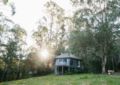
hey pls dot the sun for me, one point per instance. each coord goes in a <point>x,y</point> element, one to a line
<point>44,54</point>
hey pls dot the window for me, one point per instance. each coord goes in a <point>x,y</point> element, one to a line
<point>71,62</point>
<point>64,60</point>
<point>60,60</point>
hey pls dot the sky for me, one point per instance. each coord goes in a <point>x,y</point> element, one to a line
<point>29,12</point>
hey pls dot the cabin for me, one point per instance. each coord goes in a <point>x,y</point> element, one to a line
<point>66,63</point>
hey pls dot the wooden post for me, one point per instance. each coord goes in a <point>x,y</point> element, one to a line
<point>62,70</point>
<point>69,69</point>
<point>69,65</point>
<point>56,71</point>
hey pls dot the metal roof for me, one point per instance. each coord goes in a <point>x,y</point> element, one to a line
<point>67,55</point>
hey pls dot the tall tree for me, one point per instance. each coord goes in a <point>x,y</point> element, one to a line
<point>51,29</point>
<point>11,43</point>
<point>102,20</point>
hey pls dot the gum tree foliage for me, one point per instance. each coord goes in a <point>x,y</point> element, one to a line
<point>11,52</point>
<point>48,35</point>
<point>51,30</point>
<point>97,25</point>
<point>51,33</point>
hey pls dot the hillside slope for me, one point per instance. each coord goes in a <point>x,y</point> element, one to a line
<point>81,79</point>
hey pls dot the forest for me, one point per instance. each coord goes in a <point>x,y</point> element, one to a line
<point>92,33</point>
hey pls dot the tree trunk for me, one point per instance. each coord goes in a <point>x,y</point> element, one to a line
<point>104,61</point>
<point>4,73</point>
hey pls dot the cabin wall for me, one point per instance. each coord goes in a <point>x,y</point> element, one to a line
<point>64,62</point>
<point>67,62</point>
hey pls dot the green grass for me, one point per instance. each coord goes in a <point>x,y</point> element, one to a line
<point>81,79</point>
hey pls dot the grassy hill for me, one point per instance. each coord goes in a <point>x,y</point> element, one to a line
<point>81,79</point>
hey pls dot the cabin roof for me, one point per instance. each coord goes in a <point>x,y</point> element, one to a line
<point>67,55</point>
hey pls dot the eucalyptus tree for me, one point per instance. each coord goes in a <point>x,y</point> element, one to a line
<point>11,43</point>
<point>13,52</point>
<point>3,29</point>
<point>51,32</point>
<point>56,15</point>
<point>18,42</point>
<point>81,41</point>
<point>51,27</point>
<point>101,17</point>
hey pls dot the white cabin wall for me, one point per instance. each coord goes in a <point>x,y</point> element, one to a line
<point>62,62</point>
<point>67,62</point>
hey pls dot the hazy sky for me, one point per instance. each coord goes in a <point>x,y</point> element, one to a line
<point>29,12</point>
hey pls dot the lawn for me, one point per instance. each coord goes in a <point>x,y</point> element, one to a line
<point>81,79</point>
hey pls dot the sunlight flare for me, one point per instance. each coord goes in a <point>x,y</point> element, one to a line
<point>44,54</point>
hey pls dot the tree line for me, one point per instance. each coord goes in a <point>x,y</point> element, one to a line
<point>92,33</point>
<point>97,34</point>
